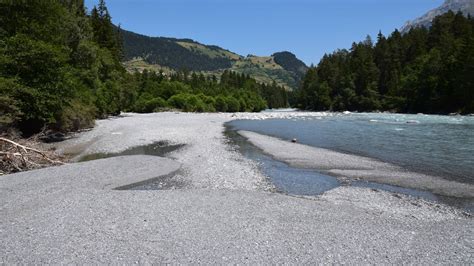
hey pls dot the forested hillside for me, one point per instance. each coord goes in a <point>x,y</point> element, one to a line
<point>171,55</point>
<point>178,54</point>
<point>60,68</point>
<point>291,63</point>
<point>424,70</point>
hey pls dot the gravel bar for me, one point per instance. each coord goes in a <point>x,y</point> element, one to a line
<point>355,167</point>
<point>75,213</point>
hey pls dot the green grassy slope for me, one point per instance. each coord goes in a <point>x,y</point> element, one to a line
<point>169,55</point>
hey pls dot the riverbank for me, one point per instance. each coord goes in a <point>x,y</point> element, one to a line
<point>355,167</point>
<point>224,213</point>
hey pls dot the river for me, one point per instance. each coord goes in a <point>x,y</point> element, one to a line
<point>430,144</point>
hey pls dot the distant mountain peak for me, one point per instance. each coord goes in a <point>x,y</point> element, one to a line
<point>465,6</point>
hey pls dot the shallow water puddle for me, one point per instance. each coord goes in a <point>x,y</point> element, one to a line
<point>160,148</point>
<point>160,183</point>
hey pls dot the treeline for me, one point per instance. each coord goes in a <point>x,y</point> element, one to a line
<point>424,70</point>
<point>60,68</point>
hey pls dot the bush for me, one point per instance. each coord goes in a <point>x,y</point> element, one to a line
<point>221,104</point>
<point>147,104</point>
<point>75,117</point>
<point>9,111</point>
<point>256,104</point>
<point>233,104</point>
<point>187,102</point>
<point>178,101</point>
<point>209,102</point>
<point>167,89</point>
<point>156,104</point>
<point>10,107</point>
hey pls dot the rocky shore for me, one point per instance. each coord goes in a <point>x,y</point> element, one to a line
<point>224,213</point>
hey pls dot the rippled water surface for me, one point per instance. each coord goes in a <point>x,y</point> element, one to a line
<point>438,145</point>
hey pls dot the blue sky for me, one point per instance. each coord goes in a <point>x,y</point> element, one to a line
<point>308,28</point>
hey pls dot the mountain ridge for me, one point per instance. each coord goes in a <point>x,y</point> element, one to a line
<point>173,54</point>
<point>465,6</point>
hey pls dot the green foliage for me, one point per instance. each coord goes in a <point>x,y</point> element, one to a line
<point>209,102</point>
<point>168,52</point>
<point>10,106</point>
<point>76,116</point>
<point>221,104</point>
<point>290,63</point>
<point>58,67</point>
<point>186,54</point>
<point>147,104</point>
<point>196,93</point>
<point>9,111</point>
<point>233,104</point>
<point>186,102</point>
<point>424,70</point>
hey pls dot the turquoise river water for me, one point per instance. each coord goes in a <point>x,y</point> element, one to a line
<point>436,145</point>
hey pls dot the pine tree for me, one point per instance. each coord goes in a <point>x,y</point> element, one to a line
<point>105,34</point>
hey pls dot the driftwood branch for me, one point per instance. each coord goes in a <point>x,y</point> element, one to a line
<point>26,149</point>
<point>16,157</point>
<point>13,143</point>
<point>10,153</point>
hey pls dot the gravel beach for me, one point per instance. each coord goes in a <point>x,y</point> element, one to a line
<point>224,212</point>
